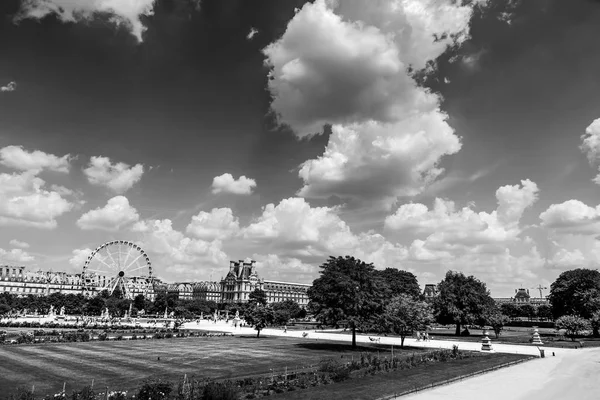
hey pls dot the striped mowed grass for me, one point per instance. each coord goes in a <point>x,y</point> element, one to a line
<point>125,365</point>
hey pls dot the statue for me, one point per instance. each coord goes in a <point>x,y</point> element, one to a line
<point>51,313</point>
<point>237,314</point>
<point>166,315</point>
<point>62,311</point>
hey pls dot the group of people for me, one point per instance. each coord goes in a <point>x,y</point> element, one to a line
<point>424,336</point>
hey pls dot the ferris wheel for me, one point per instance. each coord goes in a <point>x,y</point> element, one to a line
<point>117,265</point>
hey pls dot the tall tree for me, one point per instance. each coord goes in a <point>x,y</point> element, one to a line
<point>258,296</point>
<point>404,315</point>
<point>461,300</point>
<point>259,316</point>
<point>576,292</point>
<point>399,282</point>
<point>573,325</point>
<point>347,292</point>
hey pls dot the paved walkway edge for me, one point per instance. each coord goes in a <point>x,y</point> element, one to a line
<point>456,379</point>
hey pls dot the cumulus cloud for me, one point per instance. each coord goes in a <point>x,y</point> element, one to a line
<point>126,12</point>
<point>79,257</point>
<point>220,223</point>
<point>16,157</point>
<point>181,256</point>
<point>19,244</point>
<point>226,183</point>
<point>9,87</point>
<point>14,256</point>
<point>116,214</point>
<point>118,177</point>
<point>294,229</point>
<point>572,217</point>
<point>591,145</point>
<point>25,202</point>
<point>348,64</point>
<point>447,230</point>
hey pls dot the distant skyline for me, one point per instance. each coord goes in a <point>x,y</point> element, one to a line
<point>424,135</point>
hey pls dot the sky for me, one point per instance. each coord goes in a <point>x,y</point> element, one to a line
<point>424,135</point>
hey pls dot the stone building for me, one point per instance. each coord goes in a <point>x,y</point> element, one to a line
<point>17,280</point>
<point>242,279</point>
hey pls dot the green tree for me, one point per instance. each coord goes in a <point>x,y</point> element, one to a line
<point>544,311</point>
<point>259,317</point>
<point>346,291</point>
<point>576,292</point>
<point>289,307</point>
<point>510,309</point>
<point>496,320</point>
<point>258,296</point>
<point>573,325</point>
<point>595,322</point>
<point>398,282</point>
<point>404,315</point>
<point>527,311</point>
<point>139,302</point>
<point>461,300</point>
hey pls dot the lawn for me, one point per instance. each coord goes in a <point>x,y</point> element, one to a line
<point>386,384</point>
<point>124,365</point>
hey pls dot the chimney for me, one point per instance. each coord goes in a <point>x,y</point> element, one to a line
<point>515,290</point>
<point>231,265</point>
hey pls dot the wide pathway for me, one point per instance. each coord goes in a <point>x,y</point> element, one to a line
<point>323,335</point>
<point>570,375</point>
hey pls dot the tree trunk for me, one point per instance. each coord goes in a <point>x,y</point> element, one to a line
<point>257,332</point>
<point>457,333</point>
<point>353,335</point>
<point>402,342</point>
<point>596,332</point>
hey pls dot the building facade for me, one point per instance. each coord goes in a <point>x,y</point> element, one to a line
<point>241,280</point>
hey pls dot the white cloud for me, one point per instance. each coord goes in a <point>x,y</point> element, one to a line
<point>347,64</point>
<point>253,32</point>
<point>14,256</point>
<point>226,183</point>
<point>79,257</point>
<point>448,230</point>
<point>127,12</point>
<point>25,202</point>
<point>220,223</point>
<point>19,244</point>
<point>572,217</point>
<point>591,145</point>
<point>9,87</point>
<point>565,259</point>
<point>118,177</point>
<point>16,157</point>
<point>294,229</point>
<point>180,256</point>
<point>116,214</point>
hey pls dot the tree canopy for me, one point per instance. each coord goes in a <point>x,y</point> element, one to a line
<point>347,292</point>
<point>259,316</point>
<point>461,300</point>
<point>404,315</point>
<point>257,296</point>
<point>398,282</point>
<point>576,292</point>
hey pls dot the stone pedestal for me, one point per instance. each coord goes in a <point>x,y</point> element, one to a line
<point>486,343</point>
<point>536,337</point>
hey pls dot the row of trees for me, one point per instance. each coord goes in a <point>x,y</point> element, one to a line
<point>352,293</point>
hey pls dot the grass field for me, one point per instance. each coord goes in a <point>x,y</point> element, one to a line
<point>380,385</point>
<point>124,365</point>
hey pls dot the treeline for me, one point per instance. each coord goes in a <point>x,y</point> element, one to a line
<point>77,304</point>
<point>353,294</point>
